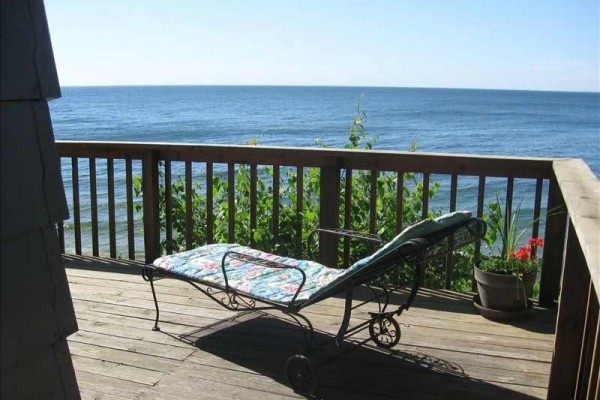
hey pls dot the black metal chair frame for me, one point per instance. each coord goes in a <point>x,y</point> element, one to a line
<point>383,328</point>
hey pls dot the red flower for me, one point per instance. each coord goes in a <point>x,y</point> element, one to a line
<point>537,242</point>
<point>523,253</point>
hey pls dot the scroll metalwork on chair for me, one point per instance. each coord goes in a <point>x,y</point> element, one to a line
<point>240,278</point>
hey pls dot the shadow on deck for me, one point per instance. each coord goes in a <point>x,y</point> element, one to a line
<point>447,351</point>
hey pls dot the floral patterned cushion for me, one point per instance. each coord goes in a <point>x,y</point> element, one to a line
<point>280,285</point>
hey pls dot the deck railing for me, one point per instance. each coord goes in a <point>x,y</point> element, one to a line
<point>570,241</point>
<point>534,173</point>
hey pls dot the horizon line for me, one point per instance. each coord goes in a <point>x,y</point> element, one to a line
<point>325,86</point>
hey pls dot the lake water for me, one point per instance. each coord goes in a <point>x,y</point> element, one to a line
<point>516,123</point>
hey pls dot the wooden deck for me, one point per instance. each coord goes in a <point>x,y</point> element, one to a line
<point>447,351</point>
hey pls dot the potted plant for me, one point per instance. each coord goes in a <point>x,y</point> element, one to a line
<point>505,281</point>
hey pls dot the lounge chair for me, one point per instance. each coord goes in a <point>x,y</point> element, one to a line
<point>241,278</point>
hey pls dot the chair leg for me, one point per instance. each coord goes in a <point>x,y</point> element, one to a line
<point>155,327</point>
<point>148,275</point>
<point>413,292</point>
<point>339,338</point>
<point>307,328</point>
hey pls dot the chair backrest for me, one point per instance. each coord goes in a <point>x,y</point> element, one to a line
<point>418,230</point>
<point>376,260</point>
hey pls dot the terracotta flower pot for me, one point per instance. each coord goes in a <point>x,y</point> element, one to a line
<point>504,292</point>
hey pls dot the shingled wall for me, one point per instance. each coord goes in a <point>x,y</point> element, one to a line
<point>36,308</point>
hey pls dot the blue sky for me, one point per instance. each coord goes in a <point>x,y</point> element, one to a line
<point>531,45</point>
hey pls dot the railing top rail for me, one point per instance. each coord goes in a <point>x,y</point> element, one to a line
<point>441,163</point>
<point>581,191</point>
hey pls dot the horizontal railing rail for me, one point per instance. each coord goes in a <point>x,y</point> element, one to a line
<point>433,163</point>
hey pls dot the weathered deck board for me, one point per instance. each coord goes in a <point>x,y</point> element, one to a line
<point>446,350</point>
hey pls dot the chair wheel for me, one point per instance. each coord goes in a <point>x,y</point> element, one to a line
<point>301,374</point>
<point>385,332</point>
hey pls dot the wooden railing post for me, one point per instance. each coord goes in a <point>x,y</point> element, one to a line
<point>556,223</point>
<point>576,359</point>
<point>570,321</point>
<point>589,365</point>
<point>150,205</point>
<point>329,212</point>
